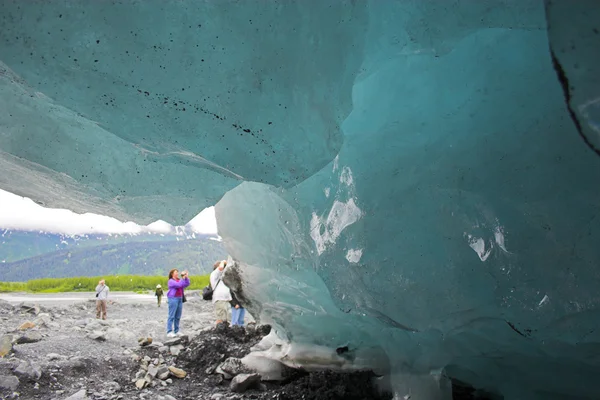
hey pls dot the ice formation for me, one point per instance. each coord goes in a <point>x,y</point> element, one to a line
<point>413,182</point>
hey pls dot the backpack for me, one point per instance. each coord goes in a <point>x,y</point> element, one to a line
<point>207,292</point>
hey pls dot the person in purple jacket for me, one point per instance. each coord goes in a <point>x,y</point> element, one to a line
<point>175,300</point>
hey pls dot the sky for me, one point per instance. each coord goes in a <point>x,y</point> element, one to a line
<point>21,213</point>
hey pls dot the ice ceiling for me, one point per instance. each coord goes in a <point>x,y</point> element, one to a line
<point>415,181</point>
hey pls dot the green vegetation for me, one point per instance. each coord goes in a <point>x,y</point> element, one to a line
<point>119,283</point>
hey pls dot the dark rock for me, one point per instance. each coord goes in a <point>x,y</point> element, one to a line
<point>232,366</point>
<point>243,382</point>
<point>263,330</point>
<point>30,337</point>
<point>9,382</point>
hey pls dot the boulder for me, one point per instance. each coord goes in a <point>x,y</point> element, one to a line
<point>5,345</point>
<point>243,382</point>
<point>29,370</point>
<point>9,382</point>
<point>81,395</point>
<point>177,372</point>
<point>26,325</point>
<point>29,337</point>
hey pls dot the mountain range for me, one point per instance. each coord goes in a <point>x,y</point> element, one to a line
<point>28,255</point>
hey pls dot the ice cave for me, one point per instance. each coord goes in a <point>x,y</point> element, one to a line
<point>413,183</point>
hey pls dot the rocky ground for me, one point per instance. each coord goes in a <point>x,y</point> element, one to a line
<point>64,353</point>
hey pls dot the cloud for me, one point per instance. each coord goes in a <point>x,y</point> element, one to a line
<point>21,213</point>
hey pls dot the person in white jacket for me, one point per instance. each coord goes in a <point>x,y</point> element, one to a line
<point>101,299</point>
<point>221,294</point>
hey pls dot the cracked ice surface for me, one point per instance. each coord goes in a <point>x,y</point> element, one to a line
<point>416,186</point>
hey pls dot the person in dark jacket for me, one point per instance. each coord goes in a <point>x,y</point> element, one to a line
<point>237,311</point>
<point>159,294</point>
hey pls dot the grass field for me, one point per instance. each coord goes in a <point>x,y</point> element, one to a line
<point>120,283</point>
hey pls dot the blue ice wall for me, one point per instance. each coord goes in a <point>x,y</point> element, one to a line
<point>192,96</point>
<point>419,177</point>
<point>456,228</point>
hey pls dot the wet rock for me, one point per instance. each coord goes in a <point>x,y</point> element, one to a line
<point>177,372</point>
<point>145,341</point>
<point>29,370</point>
<point>9,382</point>
<point>26,325</point>
<point>6,345</point>
<point>97,336</point>
<point>81,395</point>
<point>30,337</point>
<point>243,382</point>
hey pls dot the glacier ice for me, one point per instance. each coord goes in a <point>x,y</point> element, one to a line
<point>413,183</point>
